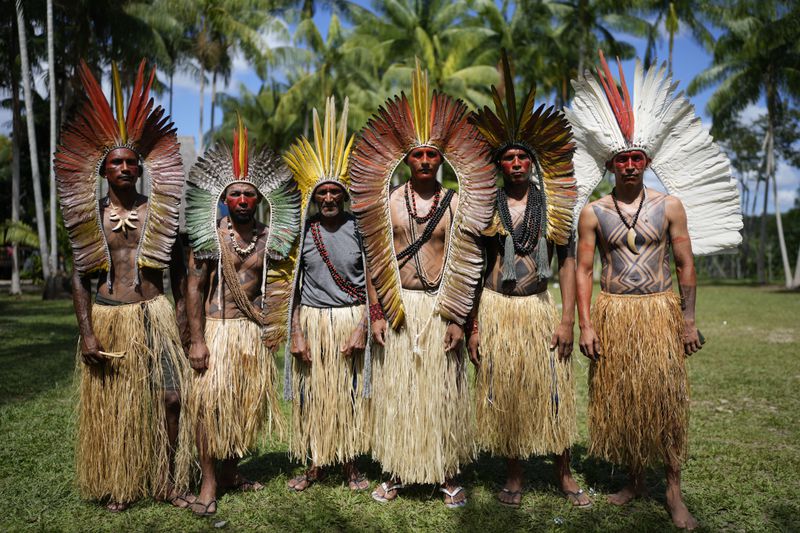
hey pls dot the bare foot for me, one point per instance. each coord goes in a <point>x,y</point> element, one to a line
<point>680,514</point>
<point>355,480</point>
<point>117,507</point>
<point>304,480</point>
<point>509,497</point>
<point>628,493</point>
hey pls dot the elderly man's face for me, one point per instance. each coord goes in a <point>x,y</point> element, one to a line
<point>424,162</point>
<point>515,163</point>
<point>329,198</point>
<point>242,200</point>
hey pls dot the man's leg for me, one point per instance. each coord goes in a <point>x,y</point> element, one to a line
<point>231,479</point>
<point>681,516</point>
<point>634,489</point>
<point>568,484</point>
<point>511,493</point>
<point>206,501</point>
<point>172,410</point>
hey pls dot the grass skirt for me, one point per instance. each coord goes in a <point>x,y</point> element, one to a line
<point>638,389</point>
<point>422,428</point>
<point>525,394</point>
<point>237,395</point>
<point>123,448</point>
<point>331,420</point>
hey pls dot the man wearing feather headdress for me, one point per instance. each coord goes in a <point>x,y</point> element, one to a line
<point>132,439</point>
<point>424,261</point>
<point>327,378</point>
<point>639,332</point>
<point>236,301</point>
<point>525,392</point>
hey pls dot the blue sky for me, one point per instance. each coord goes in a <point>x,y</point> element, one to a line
<point>689,60</point>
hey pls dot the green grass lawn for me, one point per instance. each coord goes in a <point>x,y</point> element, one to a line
<point>742,472</point>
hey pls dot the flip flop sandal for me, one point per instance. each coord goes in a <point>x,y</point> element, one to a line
<point>117,507</point>
<point>452,494</point>
<point>386,490</point>
<point>574,498</point>
<point>513,494</point>
<point>203,508</point>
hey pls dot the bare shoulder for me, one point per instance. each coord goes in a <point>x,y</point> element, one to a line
<point>674,206</point>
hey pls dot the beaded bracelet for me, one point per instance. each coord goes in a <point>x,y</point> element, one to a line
<point>376,312</point>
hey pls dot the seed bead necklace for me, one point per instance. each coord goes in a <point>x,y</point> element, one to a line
<point>525,237</point>
<point>631,235</point>
<point>243,252</point>
<point>356,293</point>
<point>411,203</point>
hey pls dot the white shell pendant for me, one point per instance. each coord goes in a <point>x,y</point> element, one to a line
<point>631,237</point>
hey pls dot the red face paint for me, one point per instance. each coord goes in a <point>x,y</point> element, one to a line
<point>515,163</point>
<point>121,168</point>
<point>631,163</point>
<point>242,200</point>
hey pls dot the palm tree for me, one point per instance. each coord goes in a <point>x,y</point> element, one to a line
<point>756,56</point>
<point>35,174</point>
<point>673,13</point>
<point>51,67</point>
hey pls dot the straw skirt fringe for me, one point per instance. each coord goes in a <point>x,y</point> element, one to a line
<point>638,388</point>
<point>123,448</point>
<point>525,394</point>
<point>422,430</point>
<point>237,395</point>
<point>331,420</point>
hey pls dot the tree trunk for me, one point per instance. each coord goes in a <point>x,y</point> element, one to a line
<point>202,90</point>
<point>29,119</point>
<point>787,272</point>
<point>51,288</point>
<point>16,127</point>
<point>213,99</point>
<point>171,76</point>
<point>796,280</point>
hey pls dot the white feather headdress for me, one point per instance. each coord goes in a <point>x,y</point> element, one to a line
<point>663,124</point>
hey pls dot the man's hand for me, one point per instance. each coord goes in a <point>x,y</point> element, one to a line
<point>453,337</point>
<point>379,328</point>
<point>357,341</point>
<point>299,348</point>
<point>474,348</point>
<point>563,339</point>
<point>691,338</point>
<point>90,351</point>
<point>590,343</point>
<point>198,356</point>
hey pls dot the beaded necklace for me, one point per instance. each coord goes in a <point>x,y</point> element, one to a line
<point>415,246</point>
<point>411,205</point>
<point>356,293</point>
<point>630,237</point>
<point>243,252</point>
<point>526,236</point>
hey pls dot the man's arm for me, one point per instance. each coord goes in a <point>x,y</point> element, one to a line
<point>379,324</point>
<point>684,266</point>
<point>563,337</point>
<point>195,312</point>
<point>587,237</point>
<point>82,302</point>
<point>177,277</point>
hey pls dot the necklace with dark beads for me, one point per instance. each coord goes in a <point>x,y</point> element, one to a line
<point>356,293</point>
<point>526,236</point>
<point>415,246</point>
<point>411,204</point>
<point>243,252</point>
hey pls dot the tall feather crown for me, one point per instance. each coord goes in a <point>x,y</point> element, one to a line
<point>326,161</point>
<point>429,119</point>
<point>86,139</point>
<point>662,123</point>
<point>221,167</point>
<point>546,135</point>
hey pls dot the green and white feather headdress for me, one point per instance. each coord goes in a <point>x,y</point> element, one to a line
<point>662,124</point>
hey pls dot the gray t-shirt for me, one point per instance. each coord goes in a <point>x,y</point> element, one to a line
<point>344,249</point>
